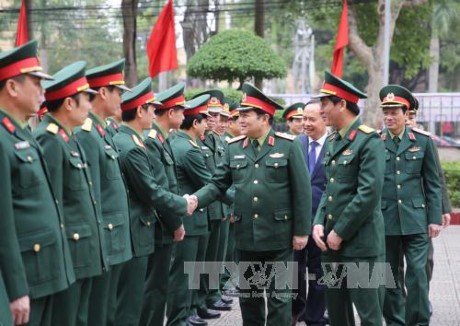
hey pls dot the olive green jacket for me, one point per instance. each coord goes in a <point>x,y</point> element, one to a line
<point>34,253</point>
<point>72,186</point>
<point>163,167</point>
<point>192,174</point>
<point>146,196</point>
<point>412,196</point>
<point>350,204</point>
<point>109,188</point>
<point>112,126</point>
<point>272,191</point>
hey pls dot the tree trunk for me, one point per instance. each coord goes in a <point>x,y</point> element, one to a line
<point>259,23</point>
<point>129,12</point>
<point>434,67</point>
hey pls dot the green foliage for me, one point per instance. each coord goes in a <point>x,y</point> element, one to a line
<point>236,55</point>
<point>452,174</point>
<point>228,92</point>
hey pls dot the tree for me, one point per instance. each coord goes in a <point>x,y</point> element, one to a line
<point>129,12</point>
<point>236,55</point>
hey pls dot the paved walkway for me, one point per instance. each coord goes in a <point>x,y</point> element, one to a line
<point>445,287</point>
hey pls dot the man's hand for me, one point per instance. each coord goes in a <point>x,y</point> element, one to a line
<point>318,234</point>
<point>20,310</point>
<point>299,242</point>
<point>434,230</point>
<point>232,218</point>
<point>179,234</point>
<point>334,241</point>
<point>445,220</point>
<point>192,203</point>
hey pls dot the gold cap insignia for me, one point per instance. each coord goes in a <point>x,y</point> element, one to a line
<point>390,97</point>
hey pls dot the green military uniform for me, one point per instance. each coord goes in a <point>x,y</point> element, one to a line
<point>34,254</point>
<point>146,198</point>
<point>112,126</point>
<point>161,157</point>
<point>350,205</point>
<point>272,204</point>
<point>72,186</point>
<point>5,314</point>
<point>410,202</point>
<point>192,174</point>
<point>111,199</point>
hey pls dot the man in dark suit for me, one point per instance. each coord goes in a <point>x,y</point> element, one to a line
<point>311,308</point>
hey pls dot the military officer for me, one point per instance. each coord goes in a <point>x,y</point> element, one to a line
<point>158,145</point>
<point>348,226</point>
<point>68,105</point>
<point>34,257</point>
<point>411,205</point>
<point>108,186</point>
<point>293,116</point>
<point>272,207</point>
<point>192,173</point>
<point>213,149</point>
<point>146,198</point>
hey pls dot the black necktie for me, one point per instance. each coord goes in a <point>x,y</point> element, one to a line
<point>396,141</point>
<point>255,146</point>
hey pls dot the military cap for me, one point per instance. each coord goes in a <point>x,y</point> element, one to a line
<point>215,100</point>
<point>108,75</point>
<point>68,81</point>
<point>234,109</point>
<point>197,105</point>
<point>396,96</point>
<point>21,60</point>
<point>416,106</point>
<point>227,102</point>
<point>43,109</point>
<point>294,111</point>
<point>173,96</point>
<point>140,95</point>
<point>334,86</point>
<point>253,98</point>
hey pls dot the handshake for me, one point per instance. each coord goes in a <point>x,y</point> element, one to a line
<point>192,203</point>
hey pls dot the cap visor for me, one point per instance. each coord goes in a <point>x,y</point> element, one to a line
<point>123,88</point>
<point>245,108</point>
<point>40,74</point>
<point>90,91</point>
<point>225,114</point>
<point>320,95</point>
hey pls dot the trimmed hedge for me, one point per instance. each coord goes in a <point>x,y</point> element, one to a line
<point>452,173</point>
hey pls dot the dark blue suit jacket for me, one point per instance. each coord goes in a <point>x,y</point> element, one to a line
<point>318,177</point>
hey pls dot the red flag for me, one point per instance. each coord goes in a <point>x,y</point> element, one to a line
<point>161,47</point>
<point>341,42</point>
<point>21,33</point>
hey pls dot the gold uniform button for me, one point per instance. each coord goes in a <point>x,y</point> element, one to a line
<point>29,158</point>
<point>76,236</point>
<point>329,216</point>
<point>148,223</point>
<point>398,172</point>
<point>37,247</point>
<point>256,182</point>
<point>57,202</point>
<point>90,183</point>
<point>256,165</point>
<point>238,166</point>
<point>79,166</point>
<point>256,198</point>
<point>285,217</point>
<point>110,226</point>
<point>256,215</point>
<point>345,162</point>
<point>330,198</point>
<point>398,186</point>
<point>331,180</point>
<point>414,157</point>
<point>423,205</point>
<point>398,158</point>
<point>276,165</point>
<point>399,201</point>
<point>333,162</point>
<point>62,226</point>
<point>201,209</point>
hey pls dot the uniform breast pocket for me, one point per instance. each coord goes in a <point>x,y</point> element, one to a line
<point>389,166</point>
<point>239,170</point>
<point>145,231</point>
<point>79,238</point>
<point>31,173</point>
<point>76,175</point>
<point>112,170</point>
<point>414,161</point>
<point>276,170</point>
<point>346,167</point>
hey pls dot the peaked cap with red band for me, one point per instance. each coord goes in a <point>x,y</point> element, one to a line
<point>393,96</point>
<point>108,75</point>
<point>253,98</point>
<point>215,101</point>
<point>172,97</point>
<point>334,86</point>
<point>294,111</point>
<point>140,95</point>
<point>68,81</point>
<point>21,60</point>
<point>197,105</point>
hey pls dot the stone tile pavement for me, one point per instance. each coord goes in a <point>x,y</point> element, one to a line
<point>445,285</point>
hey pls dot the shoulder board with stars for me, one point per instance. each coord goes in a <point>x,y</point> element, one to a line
<point>138,142</point>
<point>52,128</point>
<point>193,143</point>
<point>87,125</point>
<point>152,134</point>
<point>366,129</point>
<point>422,132</point>
<point>235,139</point>
<point>285,136</point>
